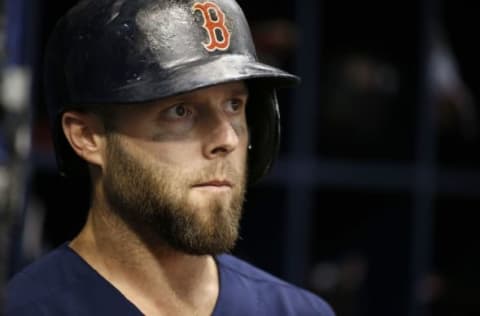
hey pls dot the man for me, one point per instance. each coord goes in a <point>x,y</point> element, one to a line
<point>163,104</point>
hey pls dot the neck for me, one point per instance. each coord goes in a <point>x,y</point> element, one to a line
<point>188,284</point>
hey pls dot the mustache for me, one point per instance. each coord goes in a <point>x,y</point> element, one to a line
<point>218,171</point>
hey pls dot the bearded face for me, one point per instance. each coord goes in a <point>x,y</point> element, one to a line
<point>156,201</point>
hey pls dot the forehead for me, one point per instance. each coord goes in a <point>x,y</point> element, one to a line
<point>237,88</point>
<point>207,94</point>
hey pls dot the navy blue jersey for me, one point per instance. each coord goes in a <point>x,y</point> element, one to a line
<point>62,283</point>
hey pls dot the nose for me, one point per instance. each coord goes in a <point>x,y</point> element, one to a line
<point>221,139</point>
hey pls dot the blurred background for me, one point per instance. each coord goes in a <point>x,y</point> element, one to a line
<point>372,201</point>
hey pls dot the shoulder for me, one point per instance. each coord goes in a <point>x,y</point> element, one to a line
<point>39,283</point>
<point>42,272</point>
<point>269,294</point>
<point>62,283</point>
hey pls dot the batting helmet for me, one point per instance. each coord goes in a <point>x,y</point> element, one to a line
<point>123,52</point>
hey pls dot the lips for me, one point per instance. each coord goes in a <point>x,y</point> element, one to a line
<point>215,183</point>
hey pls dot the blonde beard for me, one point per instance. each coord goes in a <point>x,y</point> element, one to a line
<point>153,202</point>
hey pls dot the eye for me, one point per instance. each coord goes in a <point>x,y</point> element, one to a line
<point>178,112</point>
<point>235,105</point>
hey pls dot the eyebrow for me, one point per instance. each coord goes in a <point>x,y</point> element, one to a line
<point>234,91</point>
<point>237,91</point>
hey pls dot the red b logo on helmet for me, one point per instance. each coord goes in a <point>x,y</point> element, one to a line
<point>214,24</point>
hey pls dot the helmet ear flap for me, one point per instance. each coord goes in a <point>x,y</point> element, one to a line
<point>263,118</point>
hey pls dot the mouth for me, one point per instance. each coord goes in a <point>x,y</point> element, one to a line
<point>220,184</point>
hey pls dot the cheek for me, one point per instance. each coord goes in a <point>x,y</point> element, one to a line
<point>172,154</point>
<point>244,139</point>
<point>172,131</point>
<point>241,129</point>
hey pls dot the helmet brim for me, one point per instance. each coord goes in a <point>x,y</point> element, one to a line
<point>194,75</point>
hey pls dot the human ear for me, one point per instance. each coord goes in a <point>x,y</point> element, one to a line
<point>85,134</point>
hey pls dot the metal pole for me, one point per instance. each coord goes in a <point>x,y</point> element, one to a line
<point>15,128</point>
<point>425,174</point>
<point>302,141</point>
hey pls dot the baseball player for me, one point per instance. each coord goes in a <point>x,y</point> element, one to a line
<point>164,106</point>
